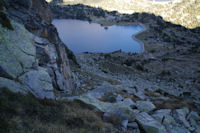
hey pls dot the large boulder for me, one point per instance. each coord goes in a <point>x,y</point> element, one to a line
<point>163,116</point>
<point>13,86</point>
<point>39,83</point>
<point>121,109</point>
<point>149,124</point>
<point>145,106</point>
<point>17,51</point>
<point>19,66</point>
<point>180,116</point>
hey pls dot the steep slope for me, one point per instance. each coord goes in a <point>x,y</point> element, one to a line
<point>33,59</point>
<point>152,92</point>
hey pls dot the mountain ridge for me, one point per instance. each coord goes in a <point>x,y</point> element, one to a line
<point>183,12</point>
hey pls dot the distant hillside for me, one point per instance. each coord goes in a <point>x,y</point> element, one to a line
<point>183,12</point>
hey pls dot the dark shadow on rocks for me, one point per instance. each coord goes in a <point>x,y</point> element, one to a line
<point>4,20</point>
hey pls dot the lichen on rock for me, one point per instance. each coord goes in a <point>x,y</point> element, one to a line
<point>18,63</point>
<point>17,54</point>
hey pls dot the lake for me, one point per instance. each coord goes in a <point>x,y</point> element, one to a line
<point>82,36</point>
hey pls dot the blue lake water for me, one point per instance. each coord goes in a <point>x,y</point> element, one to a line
<point>82,36</point>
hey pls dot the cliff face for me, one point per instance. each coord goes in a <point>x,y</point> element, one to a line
<point>33,58</point>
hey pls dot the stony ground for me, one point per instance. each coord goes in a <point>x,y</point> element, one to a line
<point>154,87</point>
<point>153,92</point>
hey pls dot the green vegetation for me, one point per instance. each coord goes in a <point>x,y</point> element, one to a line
<point>27,114</point>
<point>172,103</point>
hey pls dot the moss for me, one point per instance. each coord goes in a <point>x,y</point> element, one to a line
<point>25,114</point>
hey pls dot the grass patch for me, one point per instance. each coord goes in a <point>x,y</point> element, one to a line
<point>172,102</point>
<point>152,94</point>
<point>27,114</point>
<point>124,94</point>
<point>109,97</point>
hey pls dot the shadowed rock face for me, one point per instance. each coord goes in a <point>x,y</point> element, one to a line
<point>43,10</point>
<point>35,60</point>
<point>40,6</point>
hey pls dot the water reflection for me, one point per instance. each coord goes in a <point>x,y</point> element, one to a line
<point>82,36</point>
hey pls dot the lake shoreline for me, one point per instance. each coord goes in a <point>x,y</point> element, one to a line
<point>106,38</point>
<point>140,41</point>
<point>156,75</point>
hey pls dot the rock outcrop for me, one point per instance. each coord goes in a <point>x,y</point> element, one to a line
<point>33,58</point>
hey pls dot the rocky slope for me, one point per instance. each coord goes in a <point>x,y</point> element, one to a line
<point>33,59</point>
<point>151,92</point>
